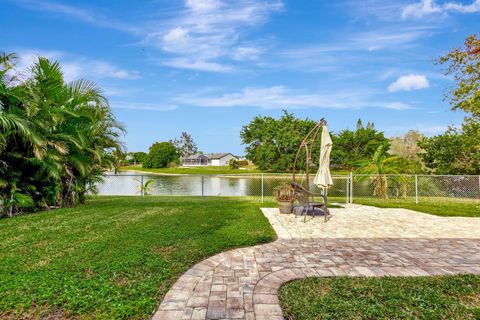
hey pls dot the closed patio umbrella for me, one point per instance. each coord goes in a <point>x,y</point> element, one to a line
<point>323,179</point>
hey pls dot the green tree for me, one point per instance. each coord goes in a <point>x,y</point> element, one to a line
<point>464,65</point>
<point>160,155</point>
<point>140,156</point>
<point>233,164</point>
<point>273,143</point>
<point>359,124</point>
<point>457,151</point>
<point>137,157</point>
<point>185,145</point>
<point>349,147</point>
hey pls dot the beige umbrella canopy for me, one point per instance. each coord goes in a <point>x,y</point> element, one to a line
<point>323,179</point>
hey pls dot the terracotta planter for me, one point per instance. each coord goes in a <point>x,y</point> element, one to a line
<point>285,206</point>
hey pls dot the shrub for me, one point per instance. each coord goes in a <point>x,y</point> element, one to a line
<point>242,163</point>
<point>160,155</point>
<point>233,164</point>
<point>139,157</point>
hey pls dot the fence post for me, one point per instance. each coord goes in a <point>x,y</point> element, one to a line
<point>347,191</point>
<point>351,187</point>
<point>141,186</point>
<point>416,189</point>
<point>202,187</point>
<point>262,187</point>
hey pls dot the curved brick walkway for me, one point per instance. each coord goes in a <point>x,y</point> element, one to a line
<point>243,283</point>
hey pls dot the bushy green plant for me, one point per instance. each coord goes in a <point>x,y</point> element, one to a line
<point>233,164</point>
<point>56,138</point>
<point>273,143</point>
<point>160,155</point>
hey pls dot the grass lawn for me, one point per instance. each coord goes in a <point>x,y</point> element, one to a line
<point>433,205</point>
<point>448,297</point>
<point>115,257</point>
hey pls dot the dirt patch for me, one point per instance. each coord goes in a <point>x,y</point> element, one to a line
<point>43,312</point>
<point>165,252</point>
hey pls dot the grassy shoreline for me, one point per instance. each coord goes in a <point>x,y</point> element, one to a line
<point>190,170</point>
<point>206,170</point>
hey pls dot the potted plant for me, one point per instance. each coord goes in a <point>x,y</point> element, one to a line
<point>285,195</point>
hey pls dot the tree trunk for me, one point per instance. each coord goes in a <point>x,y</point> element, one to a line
<point>68,194</point>
<point>81,198</point>
<point>10,211</point>
<point>381,186</point>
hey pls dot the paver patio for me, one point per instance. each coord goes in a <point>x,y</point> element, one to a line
<point>357,241</point>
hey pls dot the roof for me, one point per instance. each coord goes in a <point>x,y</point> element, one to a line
<point>218,155</point>
<point>196,156</point>
<point>208,156</point>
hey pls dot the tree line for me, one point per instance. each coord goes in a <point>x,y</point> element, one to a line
<point>272,143</point>
<point>56,138</point>
<point>163,154</point>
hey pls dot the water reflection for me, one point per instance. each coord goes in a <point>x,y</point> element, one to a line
<point>128,183</point>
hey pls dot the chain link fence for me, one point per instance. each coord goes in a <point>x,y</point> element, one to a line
<point>415,187</point>
<point>345,188</point>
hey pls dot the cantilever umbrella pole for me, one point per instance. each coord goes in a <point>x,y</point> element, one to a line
<point>304,144</point>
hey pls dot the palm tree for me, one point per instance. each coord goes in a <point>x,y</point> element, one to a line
<point>380,166</point>
<point>56,138</point>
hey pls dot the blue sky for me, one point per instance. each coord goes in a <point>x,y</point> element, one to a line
<point>208,66</point>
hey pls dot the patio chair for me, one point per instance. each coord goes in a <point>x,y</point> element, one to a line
<point>306,202</point>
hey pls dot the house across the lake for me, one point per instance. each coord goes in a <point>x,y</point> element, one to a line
<point>212,159</point>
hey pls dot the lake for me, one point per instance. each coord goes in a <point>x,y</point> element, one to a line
<point>128,183</point>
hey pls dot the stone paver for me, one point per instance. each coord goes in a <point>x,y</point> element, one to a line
<point>357,221</point>
<point>243,283</point>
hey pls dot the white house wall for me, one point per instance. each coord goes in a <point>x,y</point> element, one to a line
<point>214,162</point>
<point>223,161</point>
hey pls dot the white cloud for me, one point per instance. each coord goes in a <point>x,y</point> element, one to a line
<point>176,40</point>
<point>74,67</point>
<point>362,41</point>
<point>202,5</point>
<point>398,106</point>
<point>409,82</point>
<point>142,106</point>
<point>429,7</point>
<point>81,14</point>
<point>27,57</point>
<point>209,32</point>
<point>280,97</point>
<point>353,54</point>
<point>108,70</point>
<point>455,6</point>
<point>200,65</point>
<point>388,38</point>
<point>420,9</point>
<point>246,53</point>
